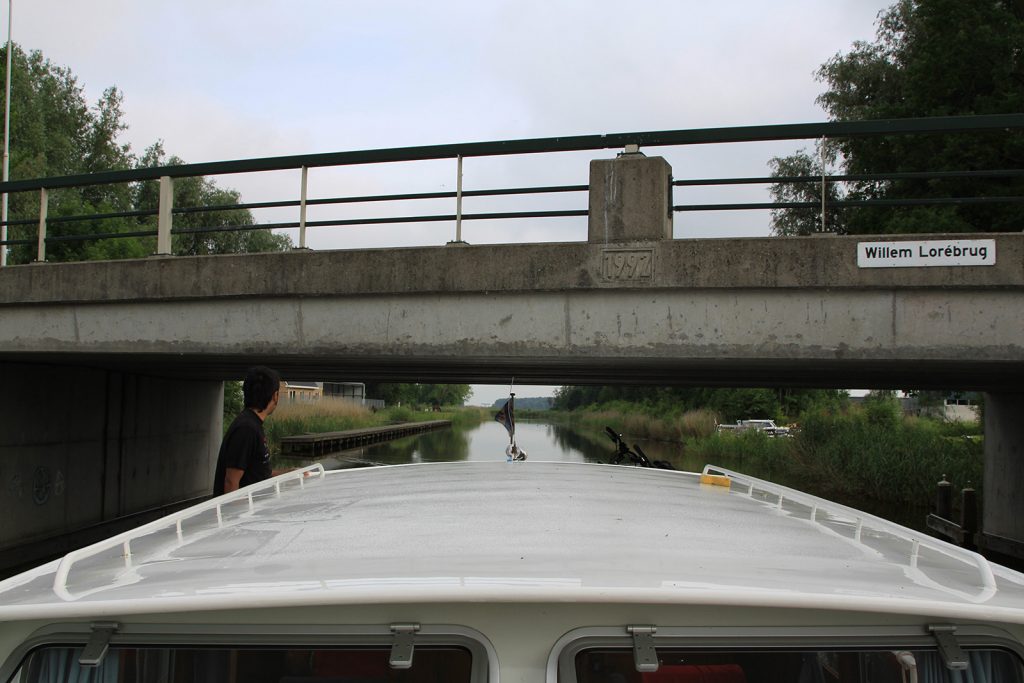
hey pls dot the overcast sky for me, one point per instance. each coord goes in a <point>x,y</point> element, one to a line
<point>234,79</point>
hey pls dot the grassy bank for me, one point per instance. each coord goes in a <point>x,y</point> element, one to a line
<point>870,451</point>
<point>679,428</point>
<point>328,415</point>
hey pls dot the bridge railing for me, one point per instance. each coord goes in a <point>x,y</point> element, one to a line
<point>133,223</point>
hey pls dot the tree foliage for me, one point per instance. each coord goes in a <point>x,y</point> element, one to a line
<point>199,192</point>
<point>55,132</point>
<point>790,221</point>
<point>729,403</point>
<point>420,395</point>
<point>929,58</point>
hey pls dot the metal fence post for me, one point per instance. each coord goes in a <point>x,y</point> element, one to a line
<point>458,203</point>
<point>302,207</point>
<point>7,138</point>
<point>163,221</point>
<point>41,236</point>
<point>823,188</point>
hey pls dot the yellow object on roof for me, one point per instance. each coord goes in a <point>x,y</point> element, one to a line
<point>716,480</point>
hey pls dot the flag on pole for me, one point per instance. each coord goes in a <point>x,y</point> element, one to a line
<point>506,417</point>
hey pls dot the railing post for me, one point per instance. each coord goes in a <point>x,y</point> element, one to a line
<point>7,139</point>
<point>41,236</point>
<point>824,227</point>
<point>302,207</point>
<point>163,223</point>
<point>3,230</point>
<point>458,202</point>
<point>630,198</point>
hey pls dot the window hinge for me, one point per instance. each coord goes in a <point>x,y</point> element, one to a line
<point>402,646</point>
<point>949,649</point>
<point>644,655</point>
<point>99,642</point>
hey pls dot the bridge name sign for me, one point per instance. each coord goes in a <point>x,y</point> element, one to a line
<point>926,253</point>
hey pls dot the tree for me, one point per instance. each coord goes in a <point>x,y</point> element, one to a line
<point>729,403</point>
<point>54,132</point>
<point>929,58</point>
<point>790,221</point>
<point>420,394</point>
<point>201,192</point>
<point>234,401</point>
<point>443,394</point>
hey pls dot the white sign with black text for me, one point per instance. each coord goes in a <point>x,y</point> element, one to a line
<point>926,253</point>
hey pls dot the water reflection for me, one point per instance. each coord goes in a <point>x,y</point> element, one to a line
<point>487,442</point>
<point>483,442</point>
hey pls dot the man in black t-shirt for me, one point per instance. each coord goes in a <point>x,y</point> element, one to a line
<point>244,457</point>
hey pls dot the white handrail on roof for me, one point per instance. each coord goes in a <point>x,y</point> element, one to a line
<point>988,579</point>
<point>60,579</point>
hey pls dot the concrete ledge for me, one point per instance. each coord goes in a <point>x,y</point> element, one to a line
<point>792,262</point>
<point>929,336</point>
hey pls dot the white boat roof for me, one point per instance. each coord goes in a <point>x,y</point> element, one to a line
<point>516,532</point>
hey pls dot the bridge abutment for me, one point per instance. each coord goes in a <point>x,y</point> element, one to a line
<point>1002,518</point>
<point>85,447</point>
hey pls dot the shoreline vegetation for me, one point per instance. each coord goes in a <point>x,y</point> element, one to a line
<point>337,415</point>
<point>869,456</point>
<point>853,454</point>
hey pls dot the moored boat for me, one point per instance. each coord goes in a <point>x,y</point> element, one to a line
<point>521,571</point>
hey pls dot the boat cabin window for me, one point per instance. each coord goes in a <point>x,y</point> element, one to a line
<point>245,665</point>
<point>614,665</point>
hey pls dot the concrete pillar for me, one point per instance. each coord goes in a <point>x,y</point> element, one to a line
<point>630,199</point>
<point>1003,506</point>
<point>82,446</point>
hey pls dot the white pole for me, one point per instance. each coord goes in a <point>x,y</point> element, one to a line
<point>458,203</point>
<point>7,138</point>
<point>165,216</point>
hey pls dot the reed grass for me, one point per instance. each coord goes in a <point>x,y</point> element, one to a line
<point>698,423</point>
<point>850,452</point>
<point>325,415</point>
<point>869,452</point>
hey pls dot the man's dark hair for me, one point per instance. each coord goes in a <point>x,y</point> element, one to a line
<point>259,386</point>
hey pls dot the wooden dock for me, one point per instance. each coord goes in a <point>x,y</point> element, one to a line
<point>316,445</point>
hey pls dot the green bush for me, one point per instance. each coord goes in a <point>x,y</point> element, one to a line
<point>752,452</point>
<point>398,414</point>
<point>864,453</point>
<point>840,451</point>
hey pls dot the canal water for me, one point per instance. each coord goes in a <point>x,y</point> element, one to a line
<point>547,442</point>
<point>487,442</point>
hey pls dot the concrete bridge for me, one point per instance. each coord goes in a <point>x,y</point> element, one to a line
<point>114,370</point>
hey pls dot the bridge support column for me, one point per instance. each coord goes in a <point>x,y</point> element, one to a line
<point>81,448</point>
<point>630,199</point>
<point>1003,513</point>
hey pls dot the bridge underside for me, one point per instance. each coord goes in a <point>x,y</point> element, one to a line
<point>961,374</point>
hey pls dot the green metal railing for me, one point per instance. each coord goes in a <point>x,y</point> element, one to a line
<point>808,131</point>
